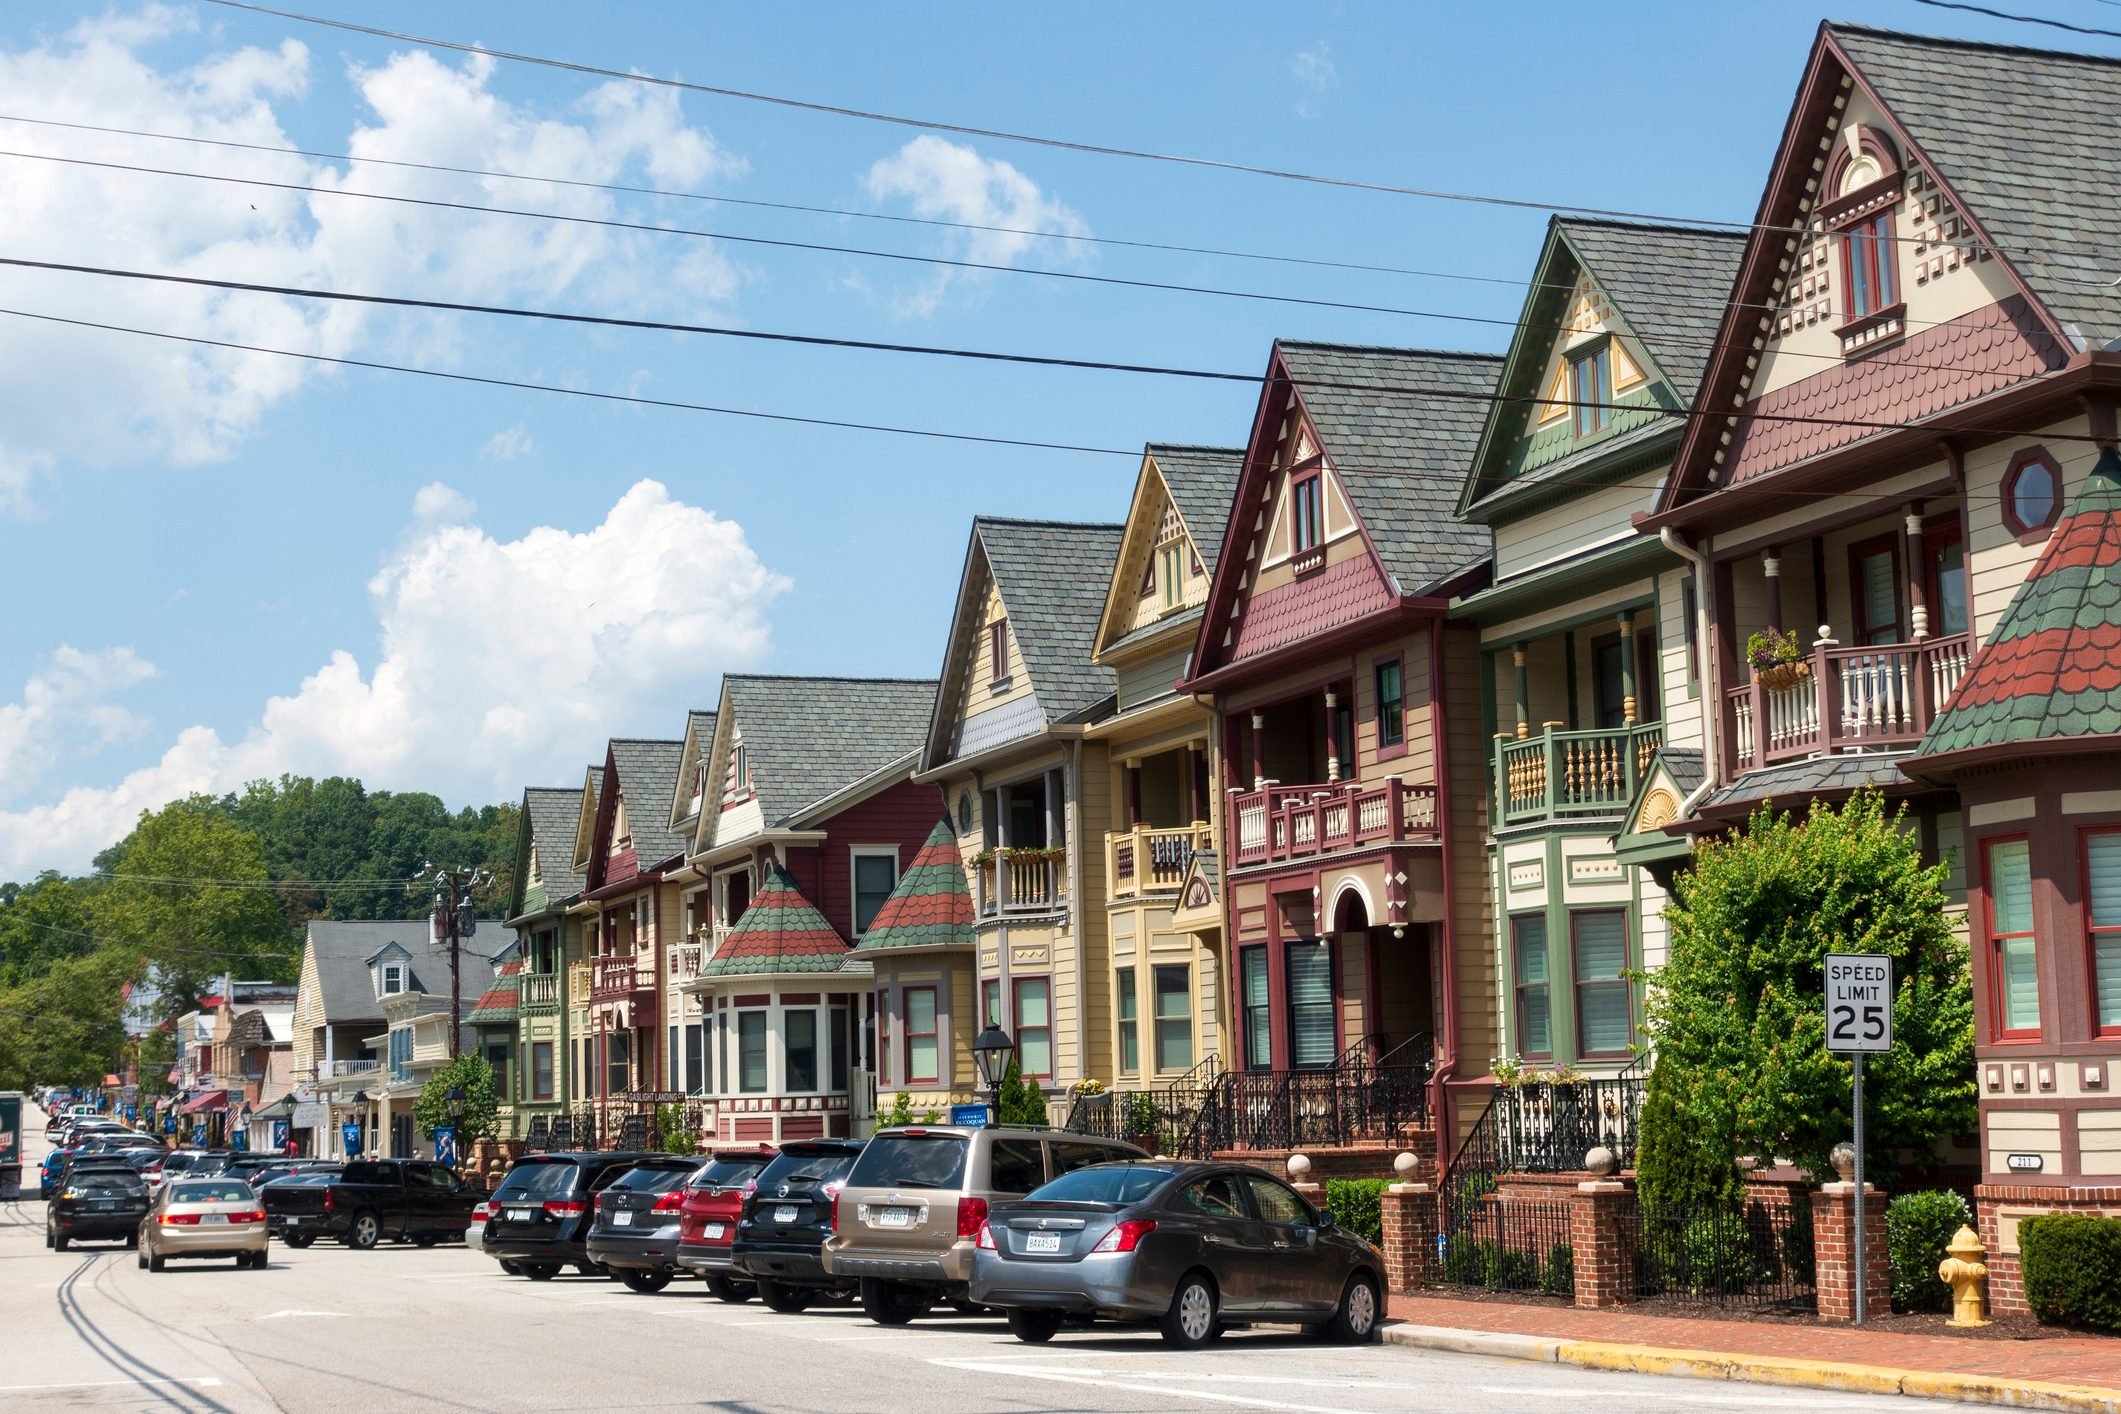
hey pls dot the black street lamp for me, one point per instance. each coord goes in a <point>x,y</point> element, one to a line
<point>992,1052</point>
<point>455,1097</point>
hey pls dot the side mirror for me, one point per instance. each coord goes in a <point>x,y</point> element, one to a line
<point>1325,1222</point>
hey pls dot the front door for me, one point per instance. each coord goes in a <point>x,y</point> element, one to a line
<point>1874,590</point>
<point>1609,682</point>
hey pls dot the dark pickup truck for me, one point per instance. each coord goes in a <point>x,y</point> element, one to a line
<point>364,1203</point>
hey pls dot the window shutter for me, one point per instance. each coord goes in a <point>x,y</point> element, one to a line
<point>1311,1004</point>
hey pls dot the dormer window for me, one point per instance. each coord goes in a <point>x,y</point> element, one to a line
<point>1868,285</point>
<point>1305,505</point>
<point>1591,389</point>
<point>1169,562</point>
<point>393,979</point>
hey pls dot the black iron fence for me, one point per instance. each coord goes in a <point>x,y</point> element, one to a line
<point>1549,1127</point>
<point>1758,1255</point>
<point>1509,1244</point>
<point>1355,1098</point>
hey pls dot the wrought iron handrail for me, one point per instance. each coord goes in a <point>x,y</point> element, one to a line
<point>1333,1106</point>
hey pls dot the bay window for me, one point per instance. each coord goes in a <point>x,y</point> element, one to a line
<point>1605,1022</point>
<point>2015,974</point>
<point>1034,1026</point>
<point>1130,1054</point>
<point>1528,947</point>
<point>751,1052</point>
<point>1174,1018</point>
<point>799,1049</point>
<point>1312,1033</point>
<point>921,1050</point>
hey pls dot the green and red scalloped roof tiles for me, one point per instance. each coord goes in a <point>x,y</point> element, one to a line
<point>780,932</point>
<point>2052,668</point>
<point>498,1002</point>
<point>932,905</point>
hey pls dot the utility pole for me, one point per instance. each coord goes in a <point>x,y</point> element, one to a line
<point>454,921</point>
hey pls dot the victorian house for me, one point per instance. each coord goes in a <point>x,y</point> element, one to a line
<point>548,943</point>
<point>1028,793</point>
<point>807,817</point>
<point>1354,839</point>
<point>1168,968</point>
<point>1590,656</point>
<point>1901,500</point>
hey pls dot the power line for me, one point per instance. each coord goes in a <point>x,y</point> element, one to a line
<point>2017,19</point>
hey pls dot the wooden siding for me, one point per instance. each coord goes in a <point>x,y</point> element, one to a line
<point>1473,938</point>
<point>1684,693</point>
<point>1587,520</point>
<point>1995,559</point>
<point>974,669</point>
<point>1136,609</point>
<point>901,815</point>
<point>1149,679</point>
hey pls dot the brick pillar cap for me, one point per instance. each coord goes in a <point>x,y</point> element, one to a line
<point>1601,1185</point>
<point>1408,1188</point>
<point>1846,1190</point>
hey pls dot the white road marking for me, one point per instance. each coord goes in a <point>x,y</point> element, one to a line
<point>1087,1378</point>
<point>300,1316</point>
<point>202,1381</point>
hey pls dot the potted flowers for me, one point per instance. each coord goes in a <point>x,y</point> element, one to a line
<point>1776,660</point>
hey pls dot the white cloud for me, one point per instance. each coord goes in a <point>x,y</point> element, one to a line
<point>440,503</point>
<point>508,444</point>
<point>949,181</point>
<point>1313,69</point>
<point>501,663</point>
<point>66,710</point>
<point>186,405</point>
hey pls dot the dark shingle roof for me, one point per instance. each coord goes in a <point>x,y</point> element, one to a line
<point>2026,138</point>
<point>343,948</point>
<point>648,774</point>
<point>1687,765</point>
<point>1793,782</point>
<point>932,905</point>
<point>1670,284</point>
<point>809,738</point>
<point>1403,454</point>
<point>1053,576</point>
<point>699,734</point>
<point>550,814</point>
<point>1203,482</point>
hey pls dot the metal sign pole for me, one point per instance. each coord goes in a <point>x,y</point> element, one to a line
<point>1861,1252</point>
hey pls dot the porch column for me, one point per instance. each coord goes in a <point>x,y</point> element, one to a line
<point>1918,591</point>
<point>1259,752</point>
<point>1133,769</point>
<point>1627,666</point>
<point>1193,800</point>
<point>1771,566</point>
<point>1332,745</point>
<point>1524,691</point>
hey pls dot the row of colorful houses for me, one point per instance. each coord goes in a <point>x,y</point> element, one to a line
<point>1363,751</point>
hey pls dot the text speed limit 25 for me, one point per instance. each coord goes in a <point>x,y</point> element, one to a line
<point>1859,1002</point>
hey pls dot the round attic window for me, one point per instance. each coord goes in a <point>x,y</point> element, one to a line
<point>2032,492</point>
<point>964,812</point>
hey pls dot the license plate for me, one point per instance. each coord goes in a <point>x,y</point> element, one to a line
<point>894,1217</point>
<point>213,1217</point>
<point>622,1219</point>
<point>519,1215</point>
<point>1042,1242</point>
<point>715,1231</point>
<point>784,1214</point>
<point>103,1202</point>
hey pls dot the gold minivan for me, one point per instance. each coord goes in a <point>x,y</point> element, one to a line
<point>907,1222</point>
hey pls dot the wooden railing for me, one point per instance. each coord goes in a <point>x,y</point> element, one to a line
<point>1015,884</point>
<point>1148,859</point>
<point>1559,774</point>
<point>1297,822</point>
<point>539,991</point>
<point>617,978</point>
<point>1843,699</point>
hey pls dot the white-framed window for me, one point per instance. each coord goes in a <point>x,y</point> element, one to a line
<point>393,979</point>
<point>875,875</point>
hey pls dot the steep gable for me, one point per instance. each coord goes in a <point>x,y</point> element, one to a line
<point>809,738</point>
<point>544,872</point>
<point>632,808</point>
<point>588,807</point>
<point>1173,529</point>
<point>692,788</point>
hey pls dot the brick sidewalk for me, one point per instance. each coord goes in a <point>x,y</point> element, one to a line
<point>2078,1360</point>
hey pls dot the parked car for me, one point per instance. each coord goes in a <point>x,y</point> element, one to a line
<point>911,1212</point>
<point>257,1170</point>
<point>363,1203</point>
<point>634,1232</point>
<point>96,1202</point>
<point>199,1163</point>
<point>541,1211</point>
<point>1195,1248</point>
<point>714,1200</point>
<point>787,1215</point>
<point>203,1217</point>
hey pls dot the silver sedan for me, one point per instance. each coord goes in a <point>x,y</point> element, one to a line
<point>204,1217</point>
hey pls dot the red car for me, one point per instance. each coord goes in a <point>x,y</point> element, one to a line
<point>707,1221</point>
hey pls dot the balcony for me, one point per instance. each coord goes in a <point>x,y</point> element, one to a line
<point>1280,822</point>
<point>1879,697</point>
<point>1022,881</point>
<point>327,1070</point>
<point>624,978</point>
<point>577,983</point>
<point>1148,859</point>
<point>1562,775</point>
<point>539,993</point>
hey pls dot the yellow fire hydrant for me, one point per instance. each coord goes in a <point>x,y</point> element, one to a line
<point>1967,1275</point>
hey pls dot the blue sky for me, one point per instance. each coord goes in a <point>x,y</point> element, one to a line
<point>224,567</point>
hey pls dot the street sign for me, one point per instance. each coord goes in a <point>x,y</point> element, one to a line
<point>1859,1002</point>
<point>972,1116</point>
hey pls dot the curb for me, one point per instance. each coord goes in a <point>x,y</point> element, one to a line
<point>1761,1369</point>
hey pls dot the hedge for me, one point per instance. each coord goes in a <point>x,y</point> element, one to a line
<point>2072,1269</point>
<point>1357,1206</point>
<point>1918,1229</point>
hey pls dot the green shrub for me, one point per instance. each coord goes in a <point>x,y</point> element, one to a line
<point>672,1134</point>
<point>1719,1253</point>
<point>1918,1227</point>
<point>1021,1101</point>
<point>2072,1270</point>
<point>1506,1269</point>
<point>1357,1206</point>
<point>1559,1278</point>
<point>1464,1261</point>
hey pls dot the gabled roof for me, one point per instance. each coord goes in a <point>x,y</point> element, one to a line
<point>1668,282</point>
<point>1399,427</point>
<point>546,823</point>
<point>585,821</point>
<point>2049,675</point>
<point>932,905</point>
<point>808,739</point>
<point>1203,482</point>
<point>1200,481</point>
<point>342,950</point>
<point>699,746</point>
<point>643,774</point>
<point>780,932</point>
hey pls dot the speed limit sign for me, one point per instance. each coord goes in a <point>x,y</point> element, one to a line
<point>1859,1002</point>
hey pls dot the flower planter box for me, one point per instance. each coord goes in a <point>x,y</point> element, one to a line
<point>1781,675</point>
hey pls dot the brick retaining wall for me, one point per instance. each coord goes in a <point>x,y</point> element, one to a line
<point>1997,1205</point>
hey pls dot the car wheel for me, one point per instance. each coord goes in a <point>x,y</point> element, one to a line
<point>541,1271</point>
<point>156,1262</point>
<point>1355,1322</point>
<point>47,1235</point>
<point>140,1259</point>
<point>60,1243</point>
<point>891,1303</point>
<point>367,1229</point>
<point>299,1240</point>
<point>1034,1327</point>
<point>132,1240</point>
<point>646,1283</point>
<point>1190,1323</point>
<point>736,1293</point>
<point>788,1300</point>
<point>511,1269</point>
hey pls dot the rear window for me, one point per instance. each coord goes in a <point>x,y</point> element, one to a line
<point>109,1183</point>
<point>651,1180</point>
<point>211,1193</point>
<point>382,1175</point>
<point>814,1167</point>
<point>727,1173</point>
<point>912,1161</point>
<point>541,1178</point>
<point>1129,1183</point>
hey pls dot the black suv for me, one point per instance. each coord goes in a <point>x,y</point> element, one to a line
<point>785,1221</point>
<point>541,1213</point>
<point>636,1230</point>
<point>98,1199</point>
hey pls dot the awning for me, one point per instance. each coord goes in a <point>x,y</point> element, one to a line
<point>210,1100</point>
<point>282,1108</point>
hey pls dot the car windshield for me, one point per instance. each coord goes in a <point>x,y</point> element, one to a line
<point>540,1178</point>
<point>206,1165</point>
<point>1118,1183</point>
<point>798,1167</point>
<point>655,1179</point>
<point>211,1193</point>
<point>727,1173</point>
<point>912,1161</point>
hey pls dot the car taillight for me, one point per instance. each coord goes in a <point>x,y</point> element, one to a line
<point>670,1202</point>
<point>986,1238</point>
<point>566,1207</point>
<point>1124,1237</point>
<point>751,1186</point>
<point>327,1200</point>
<point>483,1210</point>
<point>254,1215</point>
<point>971,1216</point>
<point>180,1220</point>
<point>835,1192</point>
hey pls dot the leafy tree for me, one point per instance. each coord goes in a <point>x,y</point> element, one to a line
<point>481,1107</point>
<point>42,922</point>
<point>1737,1014</point>
<point>155,1054</point>
<point>64,1026</point>
<point>1021,1101</point>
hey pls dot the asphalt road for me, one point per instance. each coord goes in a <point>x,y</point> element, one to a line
<point>399,1328</point>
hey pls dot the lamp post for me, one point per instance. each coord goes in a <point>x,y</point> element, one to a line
<point>991,1052</point>
<point>359,1101</point>
<point>455,1101</point>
